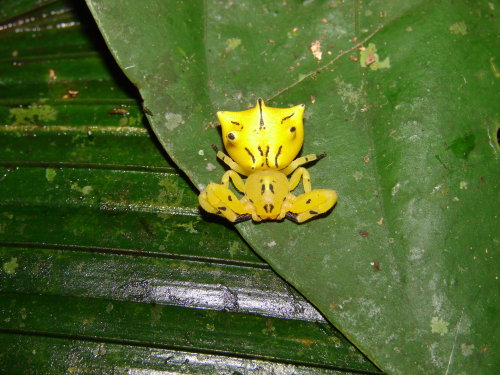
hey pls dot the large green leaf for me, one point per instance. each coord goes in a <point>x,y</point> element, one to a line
<point>404,264</point>
<point>106,265</point>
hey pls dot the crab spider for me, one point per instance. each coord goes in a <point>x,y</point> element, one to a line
<point>262,143</point>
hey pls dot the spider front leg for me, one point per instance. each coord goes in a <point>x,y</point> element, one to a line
<point>301,161</point>
<point>300,174</point>
<point>229,162</point>
<point>219,200</point>
<point>310,204</point>
<point>235,177</point>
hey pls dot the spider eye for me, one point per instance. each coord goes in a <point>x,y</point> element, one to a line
<point>231,136</point>
<point>292,129</point>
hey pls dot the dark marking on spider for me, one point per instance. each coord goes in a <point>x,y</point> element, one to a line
<point>277,155</point>
<point>243,217</point>
<point>250,153</point>
<point>287,117</point>
<point>260,151</point>
<point>271,187</point>
<point>292,129</point>
<point>267,153</point>
<point>268,208</point>
<point>263,189</point>
<point>261,123</point>
<point>235,123</point>
<point>308,201</point>
<point>222,208</point>
<point>313,212</point>
<point>231,199</point>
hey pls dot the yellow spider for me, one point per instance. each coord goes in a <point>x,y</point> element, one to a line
<point>262,143</point>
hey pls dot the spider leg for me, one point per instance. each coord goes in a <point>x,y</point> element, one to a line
<point>301,161</point>
<point>219,200</point>
<point>229,162</point>
<point>310,204</point>
<point>237,180</point>
<point>300,174</point>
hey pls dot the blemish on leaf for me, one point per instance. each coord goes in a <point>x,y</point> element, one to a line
<point>306,342</point>
<point>357,175</point>
<point>84,190</point>
<point>10,266</point>
<point>395,189</point>
<point>375,265</point>
<point>50,174</point>
<point>493,67</point>
<point>315,48</point>
<point>33,114</point>
<point>173,120</point>
<point>156,313</point>
<point>8,215</point>
<point>351,96</point>
<point>109,307</point>
<point>459,28</point>
<point>169,194</point>
<point>467,349</point>
<point>210,167</point>
<point>439,326</point>
<point>232,44</point>
<point>188,227</point>
<point>462,146</point>
<point>293,33</point>
<point>234,248</point>
<point>368,57</point>
<point>100,350</point>
<point>363,233</point>
<point>271,243</point>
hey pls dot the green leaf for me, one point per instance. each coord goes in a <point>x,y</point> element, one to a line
<point>106,265</point>
<point>404,264</point>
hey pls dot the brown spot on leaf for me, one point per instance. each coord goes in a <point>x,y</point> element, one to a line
<point>375,265</point>
<point>363,233</point>
<point>306,342</point>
